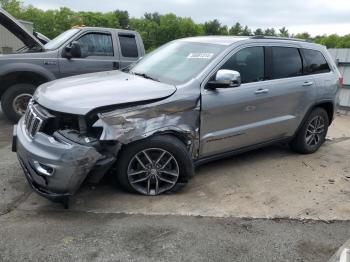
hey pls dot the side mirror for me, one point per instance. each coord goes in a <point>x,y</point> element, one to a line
<point>225,79</point>
<point>73,50</point>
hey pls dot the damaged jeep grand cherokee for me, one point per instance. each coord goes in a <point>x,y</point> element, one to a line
<point>188,102</point>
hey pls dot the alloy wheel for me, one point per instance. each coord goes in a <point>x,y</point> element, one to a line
<point>315,131</point>
<point>153,171</point>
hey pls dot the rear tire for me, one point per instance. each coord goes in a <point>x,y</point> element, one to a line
<point>155,176</point>
<point>15,99</point>
<point>312,133</point>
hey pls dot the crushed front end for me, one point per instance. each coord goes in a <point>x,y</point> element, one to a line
<point>57,153</point>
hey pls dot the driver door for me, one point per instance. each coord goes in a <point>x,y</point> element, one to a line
<point>237,117</point>
<point>98,54</point>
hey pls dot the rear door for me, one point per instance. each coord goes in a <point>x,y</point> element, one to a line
<point>130,49</point>
<point>98,54</point>
<point>317,66</point>
<point>293,90</point>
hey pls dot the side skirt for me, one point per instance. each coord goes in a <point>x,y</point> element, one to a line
<point>204,160</point>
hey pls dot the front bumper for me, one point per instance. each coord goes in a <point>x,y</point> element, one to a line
<point>69,163</point>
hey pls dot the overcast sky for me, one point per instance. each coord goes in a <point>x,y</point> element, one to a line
<point>314,16</point>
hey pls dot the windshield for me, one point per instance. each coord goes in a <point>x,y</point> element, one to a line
<point>177,62</point>
<point>61,39</point>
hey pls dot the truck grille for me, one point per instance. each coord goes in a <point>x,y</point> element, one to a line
<point>34,118</point>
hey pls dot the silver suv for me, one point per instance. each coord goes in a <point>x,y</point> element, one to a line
<point>190,101</point>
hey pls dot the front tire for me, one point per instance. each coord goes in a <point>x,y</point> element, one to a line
<point>15,100</point>
<point>154,166</point>
<point>312,133</point>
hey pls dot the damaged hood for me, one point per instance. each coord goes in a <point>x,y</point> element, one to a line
<point>83,93</point>
<point>12,25</point>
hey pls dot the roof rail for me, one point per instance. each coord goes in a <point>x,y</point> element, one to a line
<point>278,38</point>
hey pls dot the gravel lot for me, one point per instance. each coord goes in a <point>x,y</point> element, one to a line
<point>270,203</point>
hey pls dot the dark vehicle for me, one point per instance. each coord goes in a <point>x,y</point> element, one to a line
<point>76,51</point>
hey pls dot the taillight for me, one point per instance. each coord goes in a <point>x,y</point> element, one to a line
<point>341,81</point>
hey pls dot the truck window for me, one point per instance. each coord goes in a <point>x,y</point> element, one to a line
<point>249,62</point>
<point>128,45</point>
<point>316,63</point>
<point>96,44</point>
<point>286,62</point>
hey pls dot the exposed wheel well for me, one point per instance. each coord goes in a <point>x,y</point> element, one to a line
<point>180,136</point>
<point>21,77</point>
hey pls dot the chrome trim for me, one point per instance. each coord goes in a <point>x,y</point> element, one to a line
<point>34,118</point>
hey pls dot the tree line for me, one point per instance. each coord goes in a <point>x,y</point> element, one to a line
<point>155,29</point>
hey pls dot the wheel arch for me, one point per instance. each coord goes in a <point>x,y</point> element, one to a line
<point>23,77</point>
<point>181,136</point>
<point>327,105</point>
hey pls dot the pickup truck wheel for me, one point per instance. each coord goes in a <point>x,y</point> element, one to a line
<point>15,100</point>
<point>313,132</point>
<point>154,166</point>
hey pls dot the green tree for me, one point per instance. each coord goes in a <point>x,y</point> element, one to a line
<point>14,7</point>
<point>236,29</point>
<point>246,31</point>
<point>122,18</point>
<point>155,17</point>
<point>212,27</point>
<point>284,32</point>
<point>270,32</point>
<point>304,35</point>
<point>331,41</point>
<point>258,31</point>
<point>154,28</point>
<point>149,31</point>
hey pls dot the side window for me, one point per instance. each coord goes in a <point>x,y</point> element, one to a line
<point>95,44</point>
<point>286,62</point>
<point>249,62</point>
<point>128,45</point>
<point>316,63</point>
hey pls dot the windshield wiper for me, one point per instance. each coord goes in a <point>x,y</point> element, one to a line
<point>145,76</point>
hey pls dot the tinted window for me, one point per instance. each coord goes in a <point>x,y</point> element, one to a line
<point>286,62</point>
<point>128,45</point>
<point>316,63</point>
<point>96,45</point>
<point>249,62</point>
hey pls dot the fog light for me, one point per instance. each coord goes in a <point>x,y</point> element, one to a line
<point>42,169</point>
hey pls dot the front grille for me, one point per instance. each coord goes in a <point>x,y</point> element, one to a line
<point>34,118</point>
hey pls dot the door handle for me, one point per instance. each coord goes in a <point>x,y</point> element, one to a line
<point>261,91</point>
<point>309,83</point>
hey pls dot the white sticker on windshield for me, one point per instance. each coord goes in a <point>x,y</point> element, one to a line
<point>200,55</point>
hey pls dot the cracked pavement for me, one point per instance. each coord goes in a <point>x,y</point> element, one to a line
<point>269,203</point>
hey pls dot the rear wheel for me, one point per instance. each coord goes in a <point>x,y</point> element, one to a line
<point>15,100</point>
<point>154,166</point>
<point>313,132</point>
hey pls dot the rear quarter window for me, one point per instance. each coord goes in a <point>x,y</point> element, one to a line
<point>315,62</point>
<point>128,45</point>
